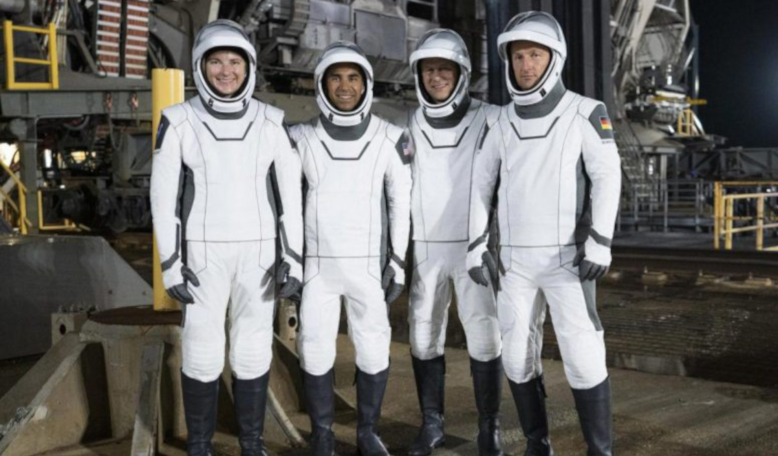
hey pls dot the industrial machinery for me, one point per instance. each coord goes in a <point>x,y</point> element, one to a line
<point>77,103</point>
<point>78,106</point>
<point>670,163</point>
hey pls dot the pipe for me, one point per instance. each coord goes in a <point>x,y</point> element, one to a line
<point>167,88</point>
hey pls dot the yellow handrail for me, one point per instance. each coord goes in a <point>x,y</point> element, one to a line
<point>21,209</point>
<point>685,123</point>
<point>11,60</point>
<point>7,199</point>
<point>31,61</point>
<point>724,213</point>
<point>67,224</point>
<point>27,28</point>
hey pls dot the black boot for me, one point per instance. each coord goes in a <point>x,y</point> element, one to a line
<point>200,402</point>
<point>487,385</point>
<point>250,400</point>
<point>370,395</point>
<point>320,403</point>
<point>430,381</point>
<point>594,413</point>
<point>530,399</point>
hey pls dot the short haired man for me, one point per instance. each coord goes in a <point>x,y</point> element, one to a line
<point>358,176</point>
<point>559,182</point>
<point>445,131</point>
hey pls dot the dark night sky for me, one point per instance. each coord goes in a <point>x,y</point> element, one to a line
<point>739,69</point>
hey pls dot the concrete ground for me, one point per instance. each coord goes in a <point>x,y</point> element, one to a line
<point>721,331</point>
<point>654,415</point>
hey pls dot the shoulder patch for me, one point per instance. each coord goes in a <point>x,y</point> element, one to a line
<point>164,124</point>
<point>404,148</point>
<point>601,122</point>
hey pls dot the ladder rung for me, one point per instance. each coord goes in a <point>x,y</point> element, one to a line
<point>25,28</point>
<point>33,86</point>
<point>31,61</point>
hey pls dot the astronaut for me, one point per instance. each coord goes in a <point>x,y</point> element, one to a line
<point>445,130</point>
<point>359,180</point>
<point>558,194</point>
<point>215,224</point>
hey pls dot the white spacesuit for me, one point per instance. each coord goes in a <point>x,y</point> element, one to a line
<point>559,172</point>
<point>215,225</point>
<point>445,136</point>
<point>358,181</point>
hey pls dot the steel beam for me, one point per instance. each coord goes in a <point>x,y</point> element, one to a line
<point>76,103</point>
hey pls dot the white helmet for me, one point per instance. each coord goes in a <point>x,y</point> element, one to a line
<point>444,44</point>
<point>541,28</point>
<point>343,52</point>
<point>224,33</point>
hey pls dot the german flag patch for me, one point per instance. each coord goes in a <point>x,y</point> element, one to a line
<point>601,123</point>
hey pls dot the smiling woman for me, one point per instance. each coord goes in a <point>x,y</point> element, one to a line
<point>225,70</point>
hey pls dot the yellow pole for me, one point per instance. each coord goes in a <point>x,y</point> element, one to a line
<point>22,209</point>
<point>40,210</point>
<point>760,222</point>
<point>730,210</point>
<point>167,88</point>
<point>8,40</point>
<point>689,122</point>
<point>53,59</point>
